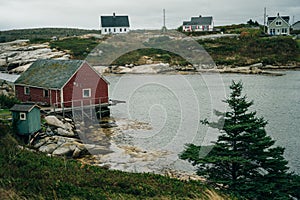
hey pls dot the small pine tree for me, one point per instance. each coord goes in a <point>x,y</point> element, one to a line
<point>243,159</point>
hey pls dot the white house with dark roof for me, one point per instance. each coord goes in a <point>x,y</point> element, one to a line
<point>198,24</point>
<point>114,24</point>
<point>278,25</point>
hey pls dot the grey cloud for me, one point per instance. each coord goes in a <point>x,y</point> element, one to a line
<point>143,14</point>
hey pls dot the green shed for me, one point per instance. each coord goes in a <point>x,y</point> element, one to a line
<point>27,118</point>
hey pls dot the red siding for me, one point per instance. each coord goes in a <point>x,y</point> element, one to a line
<point>85,78</point>
<point>35,95</point>
<point>55,97</point>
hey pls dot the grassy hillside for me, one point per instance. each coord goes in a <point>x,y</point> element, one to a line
<point>140,56</point>
<point>249,50</point>
<point>245,50</point>
<point>28,175</point>
<point>42,34</point>
<point>79,48</point>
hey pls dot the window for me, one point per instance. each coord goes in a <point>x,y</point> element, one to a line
<point>278,23</point>
<point>46,93</point>
<point>120,29</point>
<point>114,30</point>
<point>272,31</point>
<point>86,93</point>
<point>109,30</point>
<point>124,29</point>
<point>22,116</point>
<point>26,90</point>
<point>105,30</point>
<point>284,30</point>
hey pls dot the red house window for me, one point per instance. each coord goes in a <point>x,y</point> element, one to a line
<point>86,93</point>
<point>26,90</point>
<point>46,93</point>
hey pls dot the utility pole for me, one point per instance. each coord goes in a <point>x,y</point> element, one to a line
<point>265,16</point>
<point>293,19</point>
<point>164,28</point>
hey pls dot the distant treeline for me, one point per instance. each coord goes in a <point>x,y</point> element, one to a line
<point>40,34</point>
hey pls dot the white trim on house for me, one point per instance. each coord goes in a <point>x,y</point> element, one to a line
<point>22,116</point>
<point>23,85</point>
<point>46,91</point>
<point>62,97</point>
<point>84,95</point>
<point>114,30</point>
<point>27,90</point>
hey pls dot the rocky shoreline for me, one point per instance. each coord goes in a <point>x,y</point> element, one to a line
<point>164,68</point>
<point>17,56</point>
<point>110,148</point>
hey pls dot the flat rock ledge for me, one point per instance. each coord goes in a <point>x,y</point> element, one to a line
<point>163,68</point>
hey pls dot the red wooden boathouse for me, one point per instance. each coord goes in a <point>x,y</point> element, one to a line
<point>62,83</point>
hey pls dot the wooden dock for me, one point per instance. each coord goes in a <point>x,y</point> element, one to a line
<point>82,109</point>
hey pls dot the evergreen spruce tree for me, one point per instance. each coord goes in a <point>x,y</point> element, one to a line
<point>244,159</point>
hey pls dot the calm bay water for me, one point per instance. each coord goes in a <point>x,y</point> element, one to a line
<point>174,105</point>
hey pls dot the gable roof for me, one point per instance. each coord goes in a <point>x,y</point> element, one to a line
<point>285,18</point>
<point>23,107</point>
<point>199,21</point>
<point>114,21</point>
<point>49,73</point>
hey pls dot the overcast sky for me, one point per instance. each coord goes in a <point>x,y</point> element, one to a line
<point>16,14</point>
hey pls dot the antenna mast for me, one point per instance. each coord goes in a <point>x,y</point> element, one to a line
<point>164,28</point>
<point>265,16</point>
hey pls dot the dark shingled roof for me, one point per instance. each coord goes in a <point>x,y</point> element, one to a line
<point>114,21</point>
<point>49,73</point>
<point>23,107</point>
<point>285,18</point>
<point>199,21</point>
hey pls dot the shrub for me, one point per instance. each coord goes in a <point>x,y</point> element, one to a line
<point>7,102</point>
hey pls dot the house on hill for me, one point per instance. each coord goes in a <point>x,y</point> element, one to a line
<point>62,83</point>
<point>296,26</point>
<point>198,24</point>
<point>278,25</point>
<point>114,24</point>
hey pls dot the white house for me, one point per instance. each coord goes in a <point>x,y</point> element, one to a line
<point>114,24</point>
<point>198,24</point>
<point>278,25</point>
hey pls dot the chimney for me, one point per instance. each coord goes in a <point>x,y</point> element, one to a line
<point>278,14</point>
<point>114,15</point>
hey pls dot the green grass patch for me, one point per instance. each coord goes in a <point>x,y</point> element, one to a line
<point>298,43</point>
<point>139,57</point>
<point>298,57</point>
<point>79,48</point>
<point>40,35</point>
<point>4,112</point>
<point>37,176</point>
<point>250,50</point>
